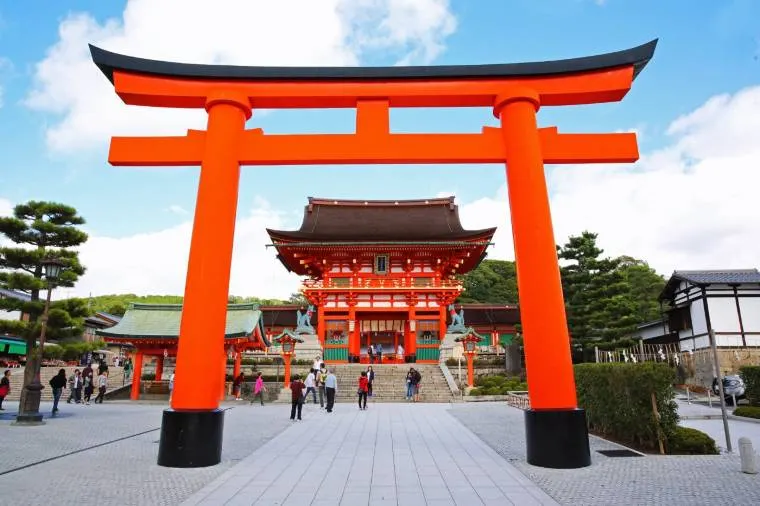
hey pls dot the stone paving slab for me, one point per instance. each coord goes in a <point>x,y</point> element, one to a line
<point>399,454</point>
<point>650,480</point>
<point>123,472</point>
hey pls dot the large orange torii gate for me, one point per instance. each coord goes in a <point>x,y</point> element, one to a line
<point>191,433</point>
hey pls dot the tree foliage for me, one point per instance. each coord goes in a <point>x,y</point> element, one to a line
<point>605,298</point>
<point>493,281</point>
<point>41,230</point>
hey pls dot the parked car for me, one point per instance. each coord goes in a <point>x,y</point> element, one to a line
<point>733,387</point>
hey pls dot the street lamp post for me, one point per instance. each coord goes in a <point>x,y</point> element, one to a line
<point>470,343</point>
<point>29,409</point>
<point>287,342</point>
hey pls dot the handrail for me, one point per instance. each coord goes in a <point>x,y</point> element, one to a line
<point>449,379</point>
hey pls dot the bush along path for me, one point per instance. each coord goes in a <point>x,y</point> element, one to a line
<point>634,404</point>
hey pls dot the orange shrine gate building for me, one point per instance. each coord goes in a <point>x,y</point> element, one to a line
<point>386,272</point>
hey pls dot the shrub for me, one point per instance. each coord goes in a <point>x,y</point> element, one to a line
<point>498,384</point>
<point>53,351</point>
<point>748,411</point>
<point>476,391</point>
<point>751,377</point>
<point>688,441</point>
<point>617,398</point>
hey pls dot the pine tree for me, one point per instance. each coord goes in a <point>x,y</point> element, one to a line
<point>41,230</point>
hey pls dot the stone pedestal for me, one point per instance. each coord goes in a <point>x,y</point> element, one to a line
<point>309,349</point>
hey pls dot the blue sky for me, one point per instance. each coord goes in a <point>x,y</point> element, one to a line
<point>706,48</point>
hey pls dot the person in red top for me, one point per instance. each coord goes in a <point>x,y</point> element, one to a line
<point>363,385</point>
<point>297,390</point>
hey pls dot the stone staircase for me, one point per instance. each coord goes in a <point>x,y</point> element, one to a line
<point>115,379</point>
<point>390,383</point>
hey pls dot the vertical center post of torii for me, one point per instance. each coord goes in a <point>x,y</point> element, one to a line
<point>195,415</point>
<point>555,428</point>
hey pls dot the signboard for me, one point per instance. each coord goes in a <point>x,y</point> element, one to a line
<point>458,351</point>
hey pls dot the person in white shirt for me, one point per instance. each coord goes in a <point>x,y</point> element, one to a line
<point>400,353</point>
<point>102,383</point>
<point>310,386</point>
<point>317,365</point>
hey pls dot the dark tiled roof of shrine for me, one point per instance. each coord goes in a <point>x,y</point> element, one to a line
<point>710,277</point>
<point>420,221</point>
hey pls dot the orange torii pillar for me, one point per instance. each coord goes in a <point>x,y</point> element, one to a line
<point>191,431</point>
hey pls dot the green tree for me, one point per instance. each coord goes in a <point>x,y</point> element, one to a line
<point>644,288</point>
<point>493,281</point>
<point>297,298</point>
<point>41,230</point>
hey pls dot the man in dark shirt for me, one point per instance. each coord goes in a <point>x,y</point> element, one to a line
<point>297,389</point>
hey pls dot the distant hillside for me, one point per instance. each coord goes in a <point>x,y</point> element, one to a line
<point>117,304</point>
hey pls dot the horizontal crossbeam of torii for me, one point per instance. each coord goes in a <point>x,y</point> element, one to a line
<point>556,429</point>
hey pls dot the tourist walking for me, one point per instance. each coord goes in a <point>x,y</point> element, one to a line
<point>58,383</point>
<point>321,378</point>
<point>410,384</point>
<point>362,391</point>
<point>400,353</point>
<point>259,389</point>
<point>127,369</point>
<point>371,353</point>
<point>370,379</point>
<point>75,387</point>
<point>317,365</point>
<point>5,387</point>
<point>102,384</point>
<point>171,386</point>
<point>310,385</point>
<point>237,386</point>
<point>297,394</point>
<point>379,351</point>
<point>331,387</point>
<point>88,387</point>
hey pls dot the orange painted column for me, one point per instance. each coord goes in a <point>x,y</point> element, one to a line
<point>287,370</point>
<point>442,321</point>
<point>321,324</point>
<point>410,347</point>
<point>551,383</point>
<point>204,310</point>
<point>238,364</point>
<point>354,344</point>
<point>470,370</point>
<point>134,393</point>
<point>159,367</point>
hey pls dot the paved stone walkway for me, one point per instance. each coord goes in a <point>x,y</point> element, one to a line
<point>391,454</point>
<point>672,480</point>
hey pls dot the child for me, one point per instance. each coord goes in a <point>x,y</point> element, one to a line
<point>363,382</point>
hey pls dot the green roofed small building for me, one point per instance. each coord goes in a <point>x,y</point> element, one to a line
<point>153,330</point>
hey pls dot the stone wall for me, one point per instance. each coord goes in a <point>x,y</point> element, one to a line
<point>698,367</point>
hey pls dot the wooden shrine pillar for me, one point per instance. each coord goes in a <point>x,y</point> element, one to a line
<point>321,324</point>
<point>134,393</point>
<point>238,364</point>
<point>441,320</point>
<point>159,367</point>
<point>556,431</point>
<point>354,341</point>
<point>410,347</point>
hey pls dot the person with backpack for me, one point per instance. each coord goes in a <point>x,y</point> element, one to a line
<point>417,381</point>
<point>370,379</point>
<point>58,383</point>
<point>321,378</point>
<point>362,391</point>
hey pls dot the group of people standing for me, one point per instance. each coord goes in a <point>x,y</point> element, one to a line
<point>319,380</point>
<point>81,385</point>
<point>376,351</point>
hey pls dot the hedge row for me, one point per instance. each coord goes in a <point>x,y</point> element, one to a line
<point>617,398</point>
<point>748,411</point>
<point>751,377</point>
<point>497,385</point>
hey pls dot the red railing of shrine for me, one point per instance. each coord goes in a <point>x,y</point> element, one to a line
<point>388,284</point>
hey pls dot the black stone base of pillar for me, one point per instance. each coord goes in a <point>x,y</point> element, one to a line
<point>557,438</point>
<point>191,438</point>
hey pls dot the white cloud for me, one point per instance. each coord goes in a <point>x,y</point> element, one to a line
<point>691,205</point>
<point>177,209</point>
<point>156,262</point>
<point>275,32</point>
<point>6,207</point>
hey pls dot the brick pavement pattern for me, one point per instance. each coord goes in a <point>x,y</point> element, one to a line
<point>123,472</point>
<point>651,480</point>
<point>391,454</point>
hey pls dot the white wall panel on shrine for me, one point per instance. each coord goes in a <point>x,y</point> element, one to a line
<point>379,303</point>
<point>335,268</point>
<point>363,303</point>
<point>652,331</point>
<point>397,269</point>
<point>382,297</point>
<point>698,322</point>
<point>10,315</point>
<point>723,314</point>
<point>427,269</point>
<point>753,340</point>
<point>417,269</point>
<point>363,296</point>
<point>729,340</point>
<point>695,344</point>
<point>366,268</point>
<point>750,307</point>
<point>399,297</point>
<point>330,304</point>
